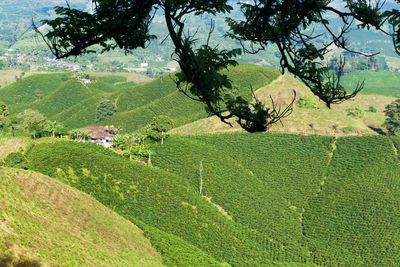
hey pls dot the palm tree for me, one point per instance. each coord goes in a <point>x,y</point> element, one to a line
<point>54,127</point>
<point>118,141</point>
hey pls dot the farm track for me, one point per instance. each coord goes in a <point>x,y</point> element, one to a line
<point>396,151</point>
<point>331,153</point>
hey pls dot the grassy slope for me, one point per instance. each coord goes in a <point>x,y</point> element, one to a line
<point>63,98</point>
<point>266,198</point>
<point>376,82</point>
<point>131,97</point>
<point>159,199</point>
<point>81,114</point>
<point>162,98</point>
<point>8,145</point>
<point>354,220</point>
<point>262,181</point>
<point>344,214</point>
<point>323,120</point>
<point>69,94</point>
<point>72,93</point>
<point>24,90</point>
<point>45,221</point>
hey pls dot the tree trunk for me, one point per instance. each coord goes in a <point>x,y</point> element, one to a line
<point>149,162</point>
<point>201,177</point>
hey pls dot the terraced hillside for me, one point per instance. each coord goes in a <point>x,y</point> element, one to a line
<point>376,82</point>
<point>31,88</point>
<point>138,105</point>
<point>266,198</point>
<point>46,223</point>
<point>309,120</point>
<point>60,97</point>
<point>72,103</point>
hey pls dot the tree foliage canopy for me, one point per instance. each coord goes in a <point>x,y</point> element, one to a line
<point>158,127</point>
<point>106,108</point>
<point>392,122</point>
<point>33,122</point>
<point>287,24</point>
<point>4,116</point>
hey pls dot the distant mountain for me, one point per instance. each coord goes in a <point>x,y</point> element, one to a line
<point>16,17</point>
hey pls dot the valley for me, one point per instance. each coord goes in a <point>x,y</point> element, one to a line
<point>267,199</point>
<point>140,136</point>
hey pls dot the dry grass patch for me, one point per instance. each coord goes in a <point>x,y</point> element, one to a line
<point>303,120</point>
<point>9,145</point>
<point>8,76</point>
<point>130,76</point>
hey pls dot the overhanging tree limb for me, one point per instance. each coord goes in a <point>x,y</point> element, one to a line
<point>285,23</point>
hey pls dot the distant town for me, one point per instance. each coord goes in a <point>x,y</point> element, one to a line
<point>12,59</point>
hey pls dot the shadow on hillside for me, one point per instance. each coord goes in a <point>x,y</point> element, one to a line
<point>377,130</point>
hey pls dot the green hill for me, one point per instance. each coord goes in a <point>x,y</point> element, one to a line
<point>306,120</point>
<point>29,89</point>
<point>267,198</point>
<point>130,97</point>
<point>46,223</point>
<point>138,105</point>
<point>335,201</point>
<point>81,114</point>
<point>68,95</point>
<point>61,97</point>
<point>354,220</point>
<point>159,199</point>
<point>376,82</point>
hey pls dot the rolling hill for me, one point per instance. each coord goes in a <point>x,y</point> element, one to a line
<point>163,98</point>
<point>318,120</point>
<point>62,98</point>
<point>267,199</point>
<point>74,104</point>
<point>29,89</point>
<point>44,223</point>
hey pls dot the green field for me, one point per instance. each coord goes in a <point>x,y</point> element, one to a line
<point>265,197</point>
<point>376,82</point>
<point>63,98</point>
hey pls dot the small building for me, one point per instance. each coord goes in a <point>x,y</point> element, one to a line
<point>101,135</point>
<point>85,81</point>
<point>144,65</point>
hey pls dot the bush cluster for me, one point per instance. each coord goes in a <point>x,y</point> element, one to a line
<point>16,160</point>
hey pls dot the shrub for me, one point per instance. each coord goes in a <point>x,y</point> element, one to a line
<point>372,109</point>
<point>308,102</point>
<point>355,112</point>
<point>392,122</point>
<point>348,129</point>
<point>16,160</point>
<point>106,108</point>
